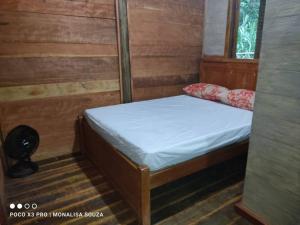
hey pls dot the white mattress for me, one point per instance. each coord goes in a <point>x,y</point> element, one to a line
<point>164,132</point>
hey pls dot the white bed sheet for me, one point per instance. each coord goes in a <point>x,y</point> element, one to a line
<point>167,131</point>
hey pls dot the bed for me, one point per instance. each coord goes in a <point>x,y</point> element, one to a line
<point>183,128</point>
<point>143,145</point>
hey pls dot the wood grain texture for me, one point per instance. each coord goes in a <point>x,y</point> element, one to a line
<point>58,89</point>
<point>232,28</point>
<point>260,27</point>
<point>249,215</point>
<point>134,181</point>
<point>165,34</point>
<point>23,50</point>
<point>54,118</point>
<point>31,27</point>
<point>45,70</point>
<point>230,73</point>
<point>165,51</point>
<point>91,8</point>
<point>167,175</point>
<point>123,38</point>
<point>273,168</point>
<point>57,58</point>
<point>129,179</point>
<point>155,81</point>
<point>165,40</point>
<point>193,6</point>
<point>157,92</point>
<point>27,50</point>
<point>67,184</point>
<point>164,66</point>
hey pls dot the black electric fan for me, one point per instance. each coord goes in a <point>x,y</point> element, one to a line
<point>20,143</point>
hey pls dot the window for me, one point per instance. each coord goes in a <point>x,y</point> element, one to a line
<point>245,28</point>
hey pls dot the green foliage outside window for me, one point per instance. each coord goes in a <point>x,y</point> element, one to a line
<point>247,30</point>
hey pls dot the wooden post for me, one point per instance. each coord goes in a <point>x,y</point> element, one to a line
<point>145,208</point>
<point>124,54</point>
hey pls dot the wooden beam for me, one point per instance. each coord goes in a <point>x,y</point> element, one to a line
<point>123,39</point>
<point>19,50</point>
<point>232,28</point>
<point>91,8</point>
<point>260,28</point>
<point>249,215</point>
<point>38,91</point>
<point>46,28</point>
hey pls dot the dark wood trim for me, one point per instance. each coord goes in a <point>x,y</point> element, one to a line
<point>123,42</point>
<point>119,48</point>
<point>249,215</point>
<point>228,37</point>
<point>172,173</point>
<point>133,181</point>
<point>2,215</point>
<point>79,127</point>
<point>232,28</point>
<point>235,27</point>
<point>145,208</point>
<point>3,157</point>
<point>260,26</point>
<point>228,60</point>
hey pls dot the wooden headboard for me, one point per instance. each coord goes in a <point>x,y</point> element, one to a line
<point>230,73</point>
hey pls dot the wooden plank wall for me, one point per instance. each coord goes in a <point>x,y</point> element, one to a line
<point>230,73</point>
<point>57,58</point>
<point>165,38</point>
<point>272,186</point>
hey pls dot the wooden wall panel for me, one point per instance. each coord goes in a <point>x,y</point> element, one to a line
<point>152,92</point>
<point>42,70</point>
<point>165,40</point>
<point>230,73</point>
<point>56,49</point>
<point>91,8</point>
<point>154,81</point>
<point>272,182</point>
<point>164,66</point>
<point>54,118</point>
<point>57,58</point>
<point>32,27</point>
<point>57,89</point>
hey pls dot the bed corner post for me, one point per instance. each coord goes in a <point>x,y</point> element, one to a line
<point>145,207</point>
<point>81,140</point>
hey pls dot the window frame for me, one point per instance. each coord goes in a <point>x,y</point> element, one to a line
<point>233,17</point>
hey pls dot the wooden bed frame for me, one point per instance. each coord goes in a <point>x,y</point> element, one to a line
<point>134,181</point>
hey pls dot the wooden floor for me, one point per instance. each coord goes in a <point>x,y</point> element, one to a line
<point>72,184</point>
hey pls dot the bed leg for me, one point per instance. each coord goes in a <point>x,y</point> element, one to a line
<point>145,208</point>
<point>80,133</point>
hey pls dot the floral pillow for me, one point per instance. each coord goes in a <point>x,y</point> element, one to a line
<point>240,98</point>
<point>206,91</point>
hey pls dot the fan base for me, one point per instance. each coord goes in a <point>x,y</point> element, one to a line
<point>22,169</point>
